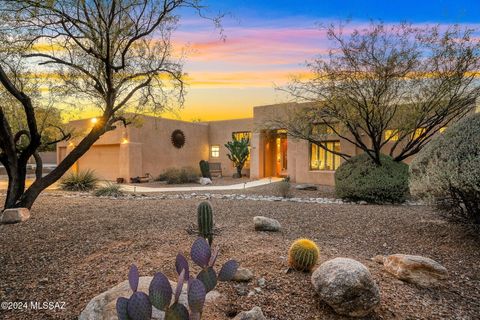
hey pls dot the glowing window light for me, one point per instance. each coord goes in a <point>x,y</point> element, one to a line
<point>215,151</point>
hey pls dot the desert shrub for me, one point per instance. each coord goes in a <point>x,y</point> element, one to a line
<point>85,180</point>
<point>179,176</point>
<point>446,172</point>
<point>284,188</point>
<point>360,179</point>
<point>109,190</point>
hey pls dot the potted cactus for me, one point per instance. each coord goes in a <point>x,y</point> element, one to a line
<point>140,305</point>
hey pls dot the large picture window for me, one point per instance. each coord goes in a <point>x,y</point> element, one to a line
<point>320,159</point>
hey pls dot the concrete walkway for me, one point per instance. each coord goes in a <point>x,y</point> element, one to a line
<point>239,186</point>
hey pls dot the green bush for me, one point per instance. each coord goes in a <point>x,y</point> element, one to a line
<point>179,176</point>
<point>360,179</point>
<point>82,181</point>
<point>446,172</point>
<point>109,190</point>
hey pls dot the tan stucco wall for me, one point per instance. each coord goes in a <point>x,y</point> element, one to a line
<point>143,147</point>
<point>219,133</point>
<point>158,152</point>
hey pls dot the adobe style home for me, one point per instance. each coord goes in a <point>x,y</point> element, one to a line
<point>152,144</point>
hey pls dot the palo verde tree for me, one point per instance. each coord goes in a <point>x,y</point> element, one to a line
<point>402,80</point>
<point>239,152</point>
<point>115,55</point>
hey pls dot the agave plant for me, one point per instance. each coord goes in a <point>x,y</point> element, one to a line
<point>160,292</point>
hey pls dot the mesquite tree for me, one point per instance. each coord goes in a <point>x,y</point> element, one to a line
<point>408,80</point>
<point>115,55</point>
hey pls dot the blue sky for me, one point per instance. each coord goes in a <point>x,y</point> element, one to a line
<point>437,11</point>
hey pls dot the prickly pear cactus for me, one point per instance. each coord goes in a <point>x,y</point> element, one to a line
<point>303,255</point>
<point>139,306</point>
<point>205,221</point>
<point>161,294</point>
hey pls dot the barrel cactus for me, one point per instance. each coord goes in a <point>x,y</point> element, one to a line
<point>205,169</point>
<point>160,293</point>
<point>205,221</point>
<point>303,255</point>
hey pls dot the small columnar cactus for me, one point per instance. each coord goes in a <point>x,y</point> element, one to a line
<point>160,292</point>
<point>205,169</point>
<point>205,221</point>
<point>303,255</point>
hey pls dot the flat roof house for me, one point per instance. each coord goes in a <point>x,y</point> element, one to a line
<point>146,147</point>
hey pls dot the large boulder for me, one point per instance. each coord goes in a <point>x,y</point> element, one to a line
<point>15,215</point>
<point>266,224</point>
<point>422,271</point>
<point>254,314</point>
<point>347,286</point>
<point>103,306</point>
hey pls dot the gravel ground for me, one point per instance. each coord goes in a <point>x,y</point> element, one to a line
<point>75,248</point>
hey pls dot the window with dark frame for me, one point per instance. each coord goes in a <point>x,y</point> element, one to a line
<point>323,160</point>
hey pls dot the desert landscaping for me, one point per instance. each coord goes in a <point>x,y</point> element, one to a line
<point>239,160</point>
<point>85,245</point>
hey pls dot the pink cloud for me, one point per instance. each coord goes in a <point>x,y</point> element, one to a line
<point>255,46</point>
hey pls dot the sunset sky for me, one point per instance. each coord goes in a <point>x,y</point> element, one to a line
<point>269,41</point>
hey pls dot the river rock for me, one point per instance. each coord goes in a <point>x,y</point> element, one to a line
<point>420,270</point>
<point>347,286</point>
<point>254,314</point>
<point>266,224</point>
<point>243,275</point>
<point>15,215</point>
<point>309,187</point>
<point>205,181</point>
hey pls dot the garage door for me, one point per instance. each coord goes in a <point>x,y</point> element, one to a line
<point>103,160</point>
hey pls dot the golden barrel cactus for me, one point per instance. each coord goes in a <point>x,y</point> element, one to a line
<point>303,255</point>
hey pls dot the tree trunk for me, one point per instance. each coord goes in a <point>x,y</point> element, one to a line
<point>239,171</point>
<point>18,197</point>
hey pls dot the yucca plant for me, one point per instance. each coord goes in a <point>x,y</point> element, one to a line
<point>160,292</point>
<point>239,152</point>
<point>79,181</point>
<point>109,190</point>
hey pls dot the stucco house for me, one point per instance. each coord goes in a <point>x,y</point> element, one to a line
<point>146,147</point>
